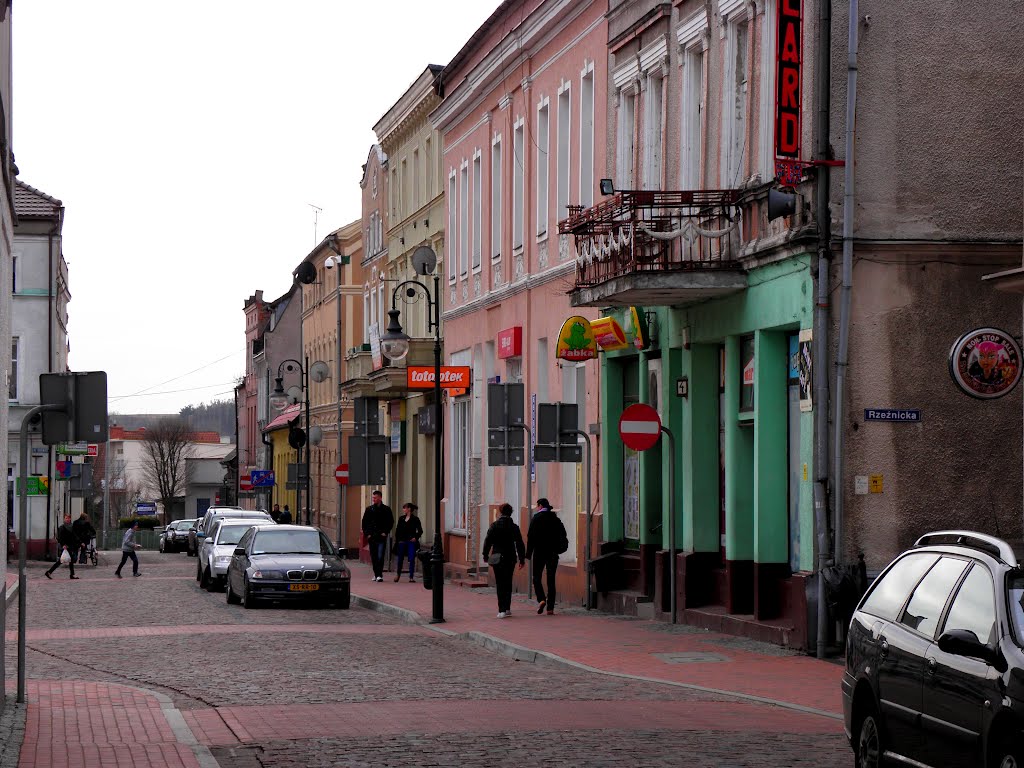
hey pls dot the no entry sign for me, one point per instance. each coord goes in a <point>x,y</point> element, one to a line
<point>245,483</point>
<point>341,474</point>
<point>639,427</point>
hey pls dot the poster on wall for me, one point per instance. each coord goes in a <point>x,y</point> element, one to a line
<point>985,363</point>
<point>805,369</point>
<point>630,494</point>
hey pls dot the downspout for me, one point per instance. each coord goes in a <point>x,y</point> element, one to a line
<point>844,305</point>
<point>823,85</point>
<point>238,457</point>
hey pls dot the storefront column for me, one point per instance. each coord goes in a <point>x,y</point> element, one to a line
<point>611,480</point>
<point>739,487</point>
<point>771,472</point>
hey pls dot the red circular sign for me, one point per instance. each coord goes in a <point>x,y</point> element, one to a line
<point>245,483</point>
<point>341,474</point>
<point>639,427</point>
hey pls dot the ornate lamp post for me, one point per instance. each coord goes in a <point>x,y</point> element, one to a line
<point>395,346</point>
<point>280,399</point>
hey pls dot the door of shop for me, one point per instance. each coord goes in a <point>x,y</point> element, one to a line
<point>630,462</point>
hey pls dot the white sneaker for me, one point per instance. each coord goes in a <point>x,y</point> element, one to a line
<point>501,614</point>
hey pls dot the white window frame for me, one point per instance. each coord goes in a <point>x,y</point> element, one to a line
<point>766,109</point>
<point>497,177</point>
<point>461,439</point>
<point>626,135</point>
<point>692,37</point>
<point>415,180</point>
<point>464,218</point>
<point>542,139</point>
<point>453,221</point>
<point>518,183</point>
<point>587,137</point>
<point>563,150</point>
<point>13,377</point>
<point>734,104</point>
<point>654,128</point>
<point>477,182</point>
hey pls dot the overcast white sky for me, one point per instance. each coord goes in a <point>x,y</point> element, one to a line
<point>186,141</point>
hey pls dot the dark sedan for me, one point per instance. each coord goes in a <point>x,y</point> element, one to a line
<point>174,537</point>
<point>935,658</point>
<point>287,562</point>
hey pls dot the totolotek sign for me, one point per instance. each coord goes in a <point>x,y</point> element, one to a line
<point>892,414</point>
<point>452,377</point>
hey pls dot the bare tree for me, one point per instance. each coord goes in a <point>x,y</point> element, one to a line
<point>166,449</point>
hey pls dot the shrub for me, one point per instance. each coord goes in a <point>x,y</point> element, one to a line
<point>146,522</point>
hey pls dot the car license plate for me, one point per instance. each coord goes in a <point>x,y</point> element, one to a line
<point>303,587</point>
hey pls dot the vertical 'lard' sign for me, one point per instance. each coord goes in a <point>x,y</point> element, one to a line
<point>788,63</point>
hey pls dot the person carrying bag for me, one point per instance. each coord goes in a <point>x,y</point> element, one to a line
<point>503,545</point>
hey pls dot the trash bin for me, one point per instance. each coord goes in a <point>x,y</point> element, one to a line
<point>426,572</point>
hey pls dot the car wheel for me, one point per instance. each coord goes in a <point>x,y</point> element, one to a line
<point>229,593</point>
<point>199,573</point>
<point>1008,754</point>
<point>344,598</point>
<point>869,746</point>
<point>205,581</point>
<point>247,599</point>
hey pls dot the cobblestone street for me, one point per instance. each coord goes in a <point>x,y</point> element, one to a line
<point>159,665</point>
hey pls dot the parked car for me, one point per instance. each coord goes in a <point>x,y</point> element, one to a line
<point>287,562</point>
<point>935,657</point>
<point>195,537</point>
<point>216,550</point>
<point>174,538</point>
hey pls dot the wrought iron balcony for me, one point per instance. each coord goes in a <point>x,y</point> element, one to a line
<point>656,247</point>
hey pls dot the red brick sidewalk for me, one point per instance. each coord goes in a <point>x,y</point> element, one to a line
<point>624,647</point>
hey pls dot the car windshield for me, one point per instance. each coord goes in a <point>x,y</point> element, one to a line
<point>230,534</point>
<point>1015,592</point>
<point>287,542</point>
<point>183,525</point>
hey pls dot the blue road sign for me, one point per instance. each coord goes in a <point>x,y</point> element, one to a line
<point>262,478</point>
<point>145,508</point>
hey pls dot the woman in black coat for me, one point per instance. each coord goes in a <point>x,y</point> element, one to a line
<point>504,540</point>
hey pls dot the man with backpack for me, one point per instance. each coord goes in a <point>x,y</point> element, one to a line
<point>546,540</point>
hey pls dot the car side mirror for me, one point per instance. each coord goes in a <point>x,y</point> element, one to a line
<point>341,552</point>
<point>963,642</point>
<point>239,550</point>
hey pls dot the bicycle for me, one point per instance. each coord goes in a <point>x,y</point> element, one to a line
<point>90,552</point>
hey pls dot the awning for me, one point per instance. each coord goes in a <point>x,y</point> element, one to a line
<point>281,421</point>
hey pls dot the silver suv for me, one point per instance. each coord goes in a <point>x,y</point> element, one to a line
<point>213,514</point>
<point>216,550</point>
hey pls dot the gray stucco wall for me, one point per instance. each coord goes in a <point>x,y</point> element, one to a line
<point>940,120</point>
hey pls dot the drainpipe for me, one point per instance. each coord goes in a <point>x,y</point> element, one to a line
<point>822,77</point>
<point>844,305</point>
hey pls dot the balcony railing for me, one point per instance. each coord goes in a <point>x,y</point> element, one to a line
<point>654,231</point>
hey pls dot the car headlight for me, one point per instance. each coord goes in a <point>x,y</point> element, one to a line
<point>222,560</point>
<point>262,574</point>
<point>333,575</point>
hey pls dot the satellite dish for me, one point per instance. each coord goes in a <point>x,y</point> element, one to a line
<point>424,260</point>
<point>306,273</point>
<point>319,371</point>
<point>315,435</point>
<point>294,394</point>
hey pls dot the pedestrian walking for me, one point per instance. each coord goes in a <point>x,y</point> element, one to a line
<point>128,547</point>
<point>407,539</point>
<point>85,532</point>
<point>546,540</point>
<point>66,542</point>
<point>503,546</point>
<point>275,513</point>
<point>378,520</point>
<point>286,516</point>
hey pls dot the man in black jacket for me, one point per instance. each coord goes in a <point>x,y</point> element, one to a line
<point>85,532</point>
<point>66,540</point>
<point>378,520</point>
<point>545,540</point>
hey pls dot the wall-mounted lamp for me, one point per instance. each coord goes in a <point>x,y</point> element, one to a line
<point>607,187</point>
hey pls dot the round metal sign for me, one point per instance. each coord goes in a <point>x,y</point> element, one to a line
<point>639,427</point>
<point>985,363</point>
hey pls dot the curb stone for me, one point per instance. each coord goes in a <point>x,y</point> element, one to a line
<point>12,732</point>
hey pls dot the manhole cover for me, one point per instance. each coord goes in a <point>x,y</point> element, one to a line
<point>690,657</point>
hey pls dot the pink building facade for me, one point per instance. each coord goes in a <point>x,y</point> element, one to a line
<point>522,124</point>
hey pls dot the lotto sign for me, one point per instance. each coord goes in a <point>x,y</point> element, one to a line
<point>452,377</point>
<point>341,474</point>
<point>639,427</point>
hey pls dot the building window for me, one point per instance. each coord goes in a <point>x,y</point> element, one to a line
<point>766,108</point>
<point>655,130</point>
<point>394,190</point>
<point>735,109</point>
<point>627,139</point>
<point>428,159</point>
<point>542,139</point>
<point>14,274</point>
<point>587,138</point>
<point>12,380</point>
<point>463,219</point>
<point>747,370</point>
<point>415,181</point>
<point>562,148</point>
<point>452,227</point>
<point>478,209</point>
<point>693,110</point>
<point>367,318</point>
<point>496,179</point>
<point>518,166</point>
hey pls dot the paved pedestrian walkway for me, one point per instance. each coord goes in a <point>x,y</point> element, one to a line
<point>623,646</point>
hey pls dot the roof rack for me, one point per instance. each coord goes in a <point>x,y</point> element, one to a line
<point>972,539</point>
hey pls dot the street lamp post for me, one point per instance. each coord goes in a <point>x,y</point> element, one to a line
<point>280,400</point>
<point>395,346</point>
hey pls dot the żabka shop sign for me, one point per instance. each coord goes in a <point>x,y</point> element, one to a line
<point>452,376</point>
<point>788,64</point>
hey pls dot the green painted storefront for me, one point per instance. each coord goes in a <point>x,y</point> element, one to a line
<point>751,445</point>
